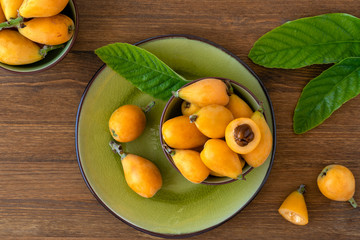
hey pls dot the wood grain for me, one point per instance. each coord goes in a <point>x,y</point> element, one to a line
<point>42,193</point>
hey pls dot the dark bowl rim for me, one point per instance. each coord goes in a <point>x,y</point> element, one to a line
<point>72,42</point>
<point>191,234</point>
<point>162,119</point>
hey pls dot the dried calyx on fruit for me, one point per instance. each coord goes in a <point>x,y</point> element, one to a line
<point>188,108</point>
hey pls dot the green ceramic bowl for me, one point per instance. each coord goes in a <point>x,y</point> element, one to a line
<point>55,56</point>
<point>173,109</point>
<point>180,208</point>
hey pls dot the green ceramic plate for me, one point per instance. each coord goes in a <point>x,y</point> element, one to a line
<point>180,208</point>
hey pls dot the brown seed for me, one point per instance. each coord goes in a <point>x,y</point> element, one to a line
<point>243,134</point>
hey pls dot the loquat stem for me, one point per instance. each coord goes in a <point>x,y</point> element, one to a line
<point>229,89</point>
<point>148,107</point>
<point>261,108</point>
<point>301,189</point>
<point>193,118</point>
<point>353,202</point>
<point>175,93</point>
<point>169,150</point>
<point>14,22</point>
<point>47,48</point>
<point>241,177</point>
<point>117,148</point>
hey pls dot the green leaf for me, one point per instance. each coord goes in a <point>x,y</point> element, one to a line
<point>141,68</point>
<point>326,93</point>
<point>327,38</point>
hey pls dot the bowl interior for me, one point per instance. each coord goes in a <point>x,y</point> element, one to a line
<point>53,57</point>
<point>173,109</point>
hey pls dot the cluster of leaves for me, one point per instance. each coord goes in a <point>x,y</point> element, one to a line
<point>323,39</point>
<point>329,38</point>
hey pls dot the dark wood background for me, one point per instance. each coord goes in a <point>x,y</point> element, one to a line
<point>42,193</point>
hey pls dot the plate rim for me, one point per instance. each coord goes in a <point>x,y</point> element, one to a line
<point>191,234</point>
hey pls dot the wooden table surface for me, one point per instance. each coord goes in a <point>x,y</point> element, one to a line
<point>42,193</point>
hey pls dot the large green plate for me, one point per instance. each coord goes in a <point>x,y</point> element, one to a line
<point>180,208</point>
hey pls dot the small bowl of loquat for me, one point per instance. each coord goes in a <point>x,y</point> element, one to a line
<point>213,131</point>
<point>36,34</point>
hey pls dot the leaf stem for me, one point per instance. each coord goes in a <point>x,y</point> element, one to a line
<point>47,48</point>
<point>241,177</point>
<point>193,118</point>
<point>148,107</point>
<point>175,93</point>
<point>301,189</point>
<point>117,148</point>
<point>229,89</point>
<point>353,202</point>
<point>169,150</point>
<point>261,107</point>
<point>14,22</point>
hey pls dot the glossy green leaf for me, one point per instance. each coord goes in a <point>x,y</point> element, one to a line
<point>327,38</point>
<point>326,93</point>
<point>141,68</point>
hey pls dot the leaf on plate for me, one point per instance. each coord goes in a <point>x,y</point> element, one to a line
<point>327,38</point>
<point>326,93</point>
<point>141,68</point>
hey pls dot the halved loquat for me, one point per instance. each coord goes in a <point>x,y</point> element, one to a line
<point>259,155</point>
<point>294,207</point>
<point>242,135</point>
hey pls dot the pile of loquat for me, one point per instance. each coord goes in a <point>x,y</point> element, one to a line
<point>126,124</point>
<point>336,182</point>
<point>29,29</point>
<point>217,132</point>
